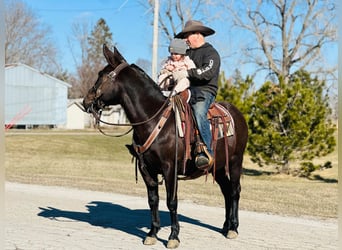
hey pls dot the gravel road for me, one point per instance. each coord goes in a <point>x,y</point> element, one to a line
<point>40,217</point>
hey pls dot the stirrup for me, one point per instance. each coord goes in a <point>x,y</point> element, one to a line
<point>204,161</point>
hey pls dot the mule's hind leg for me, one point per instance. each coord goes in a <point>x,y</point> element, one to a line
<point>231,188</point>
<point>153,202</point>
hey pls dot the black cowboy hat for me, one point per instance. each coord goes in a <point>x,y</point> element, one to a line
<point>195,26</point>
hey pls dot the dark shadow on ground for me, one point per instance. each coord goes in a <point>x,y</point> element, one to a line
<point>109,215</point>
<point>254,172</point>
<point>316,177</point>
<point>327,180</point>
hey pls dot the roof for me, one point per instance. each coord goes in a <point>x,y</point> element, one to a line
<point>14,65</point>
<point>77,102</point>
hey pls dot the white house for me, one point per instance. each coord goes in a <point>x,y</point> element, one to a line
<point>78,119</point>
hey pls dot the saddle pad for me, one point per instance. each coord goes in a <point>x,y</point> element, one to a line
<point>220,134</point>
<point>218,113</point>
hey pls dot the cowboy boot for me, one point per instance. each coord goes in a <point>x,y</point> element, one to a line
<point>204,161</point>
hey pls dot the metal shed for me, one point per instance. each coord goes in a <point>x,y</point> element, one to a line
<point>34,98</point>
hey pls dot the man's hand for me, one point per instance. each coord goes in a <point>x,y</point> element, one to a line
<point>179,74</point>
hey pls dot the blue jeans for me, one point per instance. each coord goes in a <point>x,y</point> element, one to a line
<point>200,110</point>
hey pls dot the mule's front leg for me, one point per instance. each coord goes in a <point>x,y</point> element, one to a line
<point>153,202</point>
<point>172,204</point>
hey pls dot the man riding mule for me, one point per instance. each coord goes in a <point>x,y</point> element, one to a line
<point>203,84</point>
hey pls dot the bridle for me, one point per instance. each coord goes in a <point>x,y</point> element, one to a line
<point>112,75</point>
<point>97,113</point>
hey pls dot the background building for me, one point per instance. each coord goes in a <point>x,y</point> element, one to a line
<point>33,98</point>
<point>78,119</point>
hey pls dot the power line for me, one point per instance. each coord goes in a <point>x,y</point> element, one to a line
<point>117,9</point>
<point>76,10</point>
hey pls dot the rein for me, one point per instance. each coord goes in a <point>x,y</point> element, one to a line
<point>97,115</point>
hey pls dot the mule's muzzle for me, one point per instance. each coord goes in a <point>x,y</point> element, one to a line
<point>93,106</point>
<point>87,105</point>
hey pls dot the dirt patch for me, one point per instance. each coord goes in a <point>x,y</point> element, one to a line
<point>40,217</point>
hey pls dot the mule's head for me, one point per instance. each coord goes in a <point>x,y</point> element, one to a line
<point>104,89</point>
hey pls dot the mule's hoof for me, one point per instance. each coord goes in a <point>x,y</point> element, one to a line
<point>172,244</point>
<point>150,240</point>
<point>232,234</point>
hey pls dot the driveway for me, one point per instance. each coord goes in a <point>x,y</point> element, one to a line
<point>41,217</point>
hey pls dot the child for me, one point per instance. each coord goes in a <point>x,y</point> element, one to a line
<point>178,60</point>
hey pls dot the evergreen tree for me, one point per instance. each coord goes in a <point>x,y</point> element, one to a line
<point>290,122</point>
<point>100,35</point>
<point>236,91</point>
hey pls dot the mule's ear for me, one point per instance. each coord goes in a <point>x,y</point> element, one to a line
<point>113,58</point>
<point>118,56</point>
<point>109,55</point>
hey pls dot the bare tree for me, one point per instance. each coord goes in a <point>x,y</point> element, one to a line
<point>84,75</point>
<point>27,39</point>
<point>290,35</point>
<point>174,13</point>
<point>80,31</point>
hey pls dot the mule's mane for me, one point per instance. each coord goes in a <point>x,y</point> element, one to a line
<point>147,78</point>
<point>141,70</point>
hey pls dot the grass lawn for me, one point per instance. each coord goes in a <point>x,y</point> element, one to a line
<point>96,162</point>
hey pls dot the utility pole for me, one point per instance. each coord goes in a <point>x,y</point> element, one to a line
<point>155,41</point>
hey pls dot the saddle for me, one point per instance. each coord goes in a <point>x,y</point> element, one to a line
<point>221,127</point>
